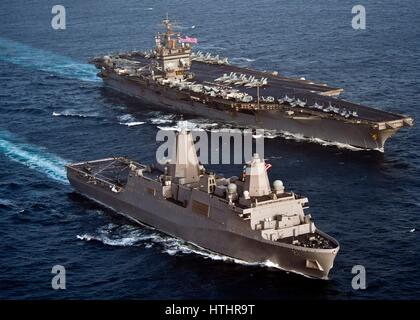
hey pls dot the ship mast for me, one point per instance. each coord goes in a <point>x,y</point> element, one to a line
<point>169,31</point>
<point>174,59</point>
<point>185,167</point>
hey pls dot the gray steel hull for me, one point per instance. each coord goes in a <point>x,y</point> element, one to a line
<point>225,236</point>
<point>330,130</point>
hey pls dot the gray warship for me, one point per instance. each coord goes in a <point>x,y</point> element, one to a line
<point>173,76</point>
<point>239,217</point>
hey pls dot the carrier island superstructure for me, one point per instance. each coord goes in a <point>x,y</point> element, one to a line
<point>240,217</point>
<point>172,76</point>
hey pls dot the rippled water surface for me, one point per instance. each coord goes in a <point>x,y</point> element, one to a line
<point>55,110</point>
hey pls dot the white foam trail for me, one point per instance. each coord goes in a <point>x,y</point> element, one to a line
<point>241,61</point>
<point>126,117</point>
<point>161,119</point>
<point>114,235</point>
<point>268,134</point>
<point>72,113</point>
<point>129,120</point>
<point>128,235</point>
<point>33,157</point>
<point>190,125</point>
<point>271,134</point>
<point>112,242</point>
<point>131,124</point>
<point>24,55</point>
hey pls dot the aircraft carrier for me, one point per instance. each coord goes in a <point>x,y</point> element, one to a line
<point>173,76</point>
<point>239,217</point>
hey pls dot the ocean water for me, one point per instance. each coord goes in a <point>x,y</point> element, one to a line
<point>54,110</point>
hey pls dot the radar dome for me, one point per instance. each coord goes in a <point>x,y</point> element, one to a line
<point>231,188</point>
<point>278,186</point>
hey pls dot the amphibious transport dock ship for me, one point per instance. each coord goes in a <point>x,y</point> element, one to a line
<point>171,75</point>
<point>240,217</point>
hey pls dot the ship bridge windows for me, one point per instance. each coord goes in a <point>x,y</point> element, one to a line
<point>207,183</point>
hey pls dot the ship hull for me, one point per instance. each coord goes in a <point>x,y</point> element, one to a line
<point>312,128</point>
<point>207,233</point>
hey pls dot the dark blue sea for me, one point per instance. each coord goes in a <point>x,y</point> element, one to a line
<point>55,110</point>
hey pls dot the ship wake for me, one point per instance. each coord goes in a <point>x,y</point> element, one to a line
<point>271,134</point>
<point>130,235</point>
<point>129,121</point>
<point>75,114</point>
<point>160,118</point>
<point>33,157</point>
<point>242,61</point>
<point>32,58</point>
<point>204,124</point>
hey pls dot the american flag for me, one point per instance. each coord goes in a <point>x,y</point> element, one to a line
<point>267,166</point>
<point>187,40</point>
